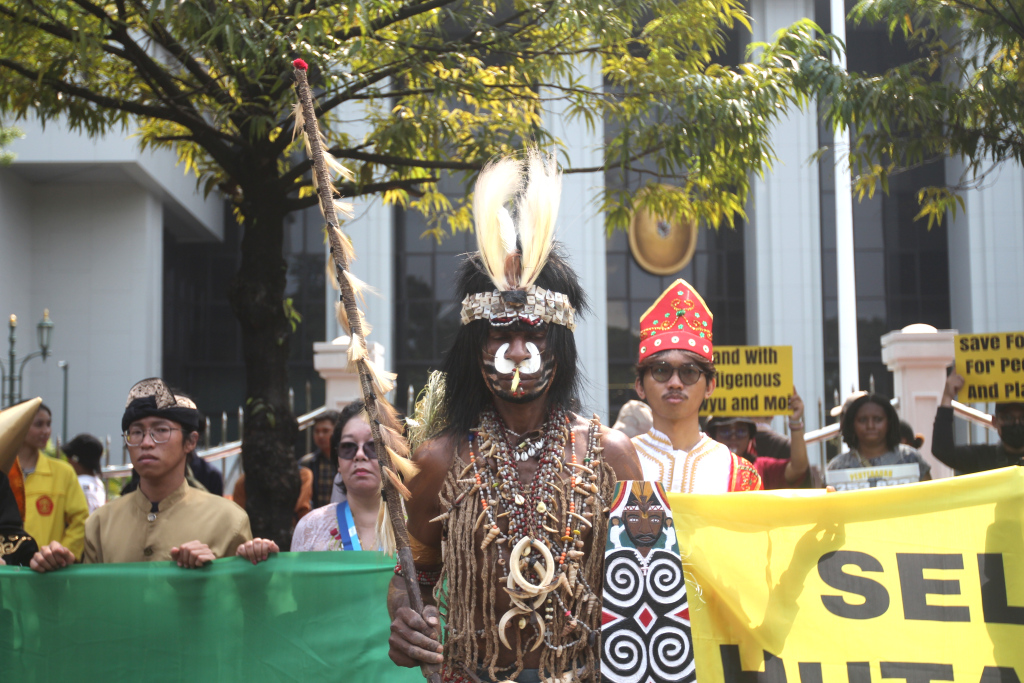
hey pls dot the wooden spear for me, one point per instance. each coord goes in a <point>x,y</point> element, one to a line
<point>325,189</point>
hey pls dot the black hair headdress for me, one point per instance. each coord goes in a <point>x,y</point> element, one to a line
<point>520,276</point>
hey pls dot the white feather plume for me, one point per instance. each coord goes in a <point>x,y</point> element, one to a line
<point>496,185</point>
<point>383,381</point>
<point>537,209</point>
<point>356,350</point>
<point>359,288</point>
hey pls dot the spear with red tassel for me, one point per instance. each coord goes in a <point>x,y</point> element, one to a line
<point>390,445</point>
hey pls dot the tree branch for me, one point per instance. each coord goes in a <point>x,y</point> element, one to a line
<point>127,106</point>
<point>165,39</point>
<point>297,204</point>
<point>406,12</point>
<point>390,160</point>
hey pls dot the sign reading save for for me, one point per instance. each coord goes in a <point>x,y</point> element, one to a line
<point>906,584</point>
<point>752,381</point>
<point>992,366</point>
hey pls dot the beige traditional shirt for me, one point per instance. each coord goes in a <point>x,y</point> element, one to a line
<point>129,530</point>
<point>708,467</point>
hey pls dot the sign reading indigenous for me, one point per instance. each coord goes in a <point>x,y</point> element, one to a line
<point>992,366</point>
<point>301,617</point>
<point>752,381</point>
<point>873,477</point>
<point>915,583</point>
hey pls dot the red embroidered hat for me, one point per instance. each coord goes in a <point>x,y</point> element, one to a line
<point>679,319</point>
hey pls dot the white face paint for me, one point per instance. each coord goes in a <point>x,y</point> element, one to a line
<point>531,364</point>
<point>528,367</point>
<point>502,364</point>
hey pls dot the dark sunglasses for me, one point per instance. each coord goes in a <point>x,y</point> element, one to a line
<point>348,449</point>
<point>662,372</point>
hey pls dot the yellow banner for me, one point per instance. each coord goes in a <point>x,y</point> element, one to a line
<point>921,583</point>
<point>752,381</point>
<point>992,366</point>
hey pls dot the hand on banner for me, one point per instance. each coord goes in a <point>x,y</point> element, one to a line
<point>414,638</point>
<point>954,383</point>
<point>51,557</point>
<point>257,550</point>
<point>192,554</point>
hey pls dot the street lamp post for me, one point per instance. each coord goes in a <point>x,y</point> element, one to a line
<point>14,381</point>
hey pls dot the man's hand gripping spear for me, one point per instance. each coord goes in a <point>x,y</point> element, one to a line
<point>389,443</point>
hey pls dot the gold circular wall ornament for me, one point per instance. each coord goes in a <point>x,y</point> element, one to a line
<point>661,246</point>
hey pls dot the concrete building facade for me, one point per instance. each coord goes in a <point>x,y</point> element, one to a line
<point>84,227</point>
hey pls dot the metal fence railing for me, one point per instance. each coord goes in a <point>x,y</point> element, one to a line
<point>222,452</point>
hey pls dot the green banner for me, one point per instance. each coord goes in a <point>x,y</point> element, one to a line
<point>297,617</point>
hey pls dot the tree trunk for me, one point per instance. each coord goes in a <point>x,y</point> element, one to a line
<point>257,298</point>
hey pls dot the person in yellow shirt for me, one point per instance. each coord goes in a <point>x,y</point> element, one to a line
<point>54,506</point>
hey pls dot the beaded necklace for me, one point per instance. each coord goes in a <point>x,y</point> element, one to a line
<point>534,582</point>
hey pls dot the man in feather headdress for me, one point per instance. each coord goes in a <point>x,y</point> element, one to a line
<point>512,492</point>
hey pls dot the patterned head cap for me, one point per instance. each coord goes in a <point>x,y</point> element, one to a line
<point>679,319</point>
<point>153,398</point>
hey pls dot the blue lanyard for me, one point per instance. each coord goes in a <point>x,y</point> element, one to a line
<point>347,527</point>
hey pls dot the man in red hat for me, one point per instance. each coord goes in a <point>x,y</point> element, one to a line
<point>675,373</point>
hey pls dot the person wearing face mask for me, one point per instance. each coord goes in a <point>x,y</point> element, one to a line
<point>352,523</point>
<point>1008,421</point>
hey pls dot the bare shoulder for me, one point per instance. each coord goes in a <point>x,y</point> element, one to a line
<point>434,458</point>
<point>618,449</point>
<point>620,454</point>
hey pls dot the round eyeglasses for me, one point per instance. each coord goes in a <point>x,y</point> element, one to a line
<point>347,450</point>
<point>662,372</point>
<point>161,434</point>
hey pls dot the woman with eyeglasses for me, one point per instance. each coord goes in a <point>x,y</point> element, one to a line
<point>352,523</point>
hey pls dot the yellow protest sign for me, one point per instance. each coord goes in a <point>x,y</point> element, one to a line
<point>992,366</point>
<point>752,381</point>
<point>921,583</point>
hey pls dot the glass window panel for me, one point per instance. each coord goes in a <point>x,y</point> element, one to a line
<point>411,226</point>
<point>446,267</point>
<point>418,280</point>
<point>935,273</point>
<point>870,273</point>
<point>448,323</point>
<point>617,268</point>
<point>643,285</point>
<point>454,244</point>
<point>416,330</point>
<point>620,338</point>
<point>618,242</point>
<point>906,274</point>
<point>867,224</point>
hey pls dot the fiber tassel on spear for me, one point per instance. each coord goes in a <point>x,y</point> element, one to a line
<point>372,383</point>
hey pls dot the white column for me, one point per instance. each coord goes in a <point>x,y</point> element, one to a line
<point>783,234</point>
<point>330,359</point>
<point>918,356</point>
<point>372,234</point>
<point>986,259</point>
<point>581,229</point>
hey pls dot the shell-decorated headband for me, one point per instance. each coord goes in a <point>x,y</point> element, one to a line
<point>513,252</point>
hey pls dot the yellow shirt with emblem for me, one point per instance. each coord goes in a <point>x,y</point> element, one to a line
<point>127,530</point>
<point>55,505</point>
